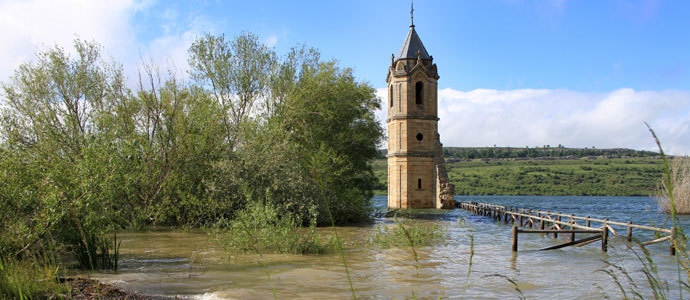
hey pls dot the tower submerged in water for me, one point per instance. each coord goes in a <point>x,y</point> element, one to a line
<point>417,175</point>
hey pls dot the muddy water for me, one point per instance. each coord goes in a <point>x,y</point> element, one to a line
<point>188,265</point>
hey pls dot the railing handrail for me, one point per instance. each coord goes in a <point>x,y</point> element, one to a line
<point>571,216</point>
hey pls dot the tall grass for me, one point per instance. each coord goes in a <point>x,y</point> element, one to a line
<point>679,178</point>
<point>679,240</point>
<point>98,252</point>
<point>35,277</point>
<point>673,180</point>
<point>93,251</point>
<point>627,286</point>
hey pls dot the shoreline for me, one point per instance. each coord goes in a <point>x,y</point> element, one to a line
<point>86,288</point>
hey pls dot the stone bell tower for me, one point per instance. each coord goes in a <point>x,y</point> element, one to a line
<point>416,172</point>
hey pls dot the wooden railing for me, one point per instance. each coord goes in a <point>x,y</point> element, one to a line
<point>521,217</point>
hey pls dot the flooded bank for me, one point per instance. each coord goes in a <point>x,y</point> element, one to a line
<point>188,264</point>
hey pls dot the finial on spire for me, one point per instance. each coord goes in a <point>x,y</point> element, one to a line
<point>411,13</point>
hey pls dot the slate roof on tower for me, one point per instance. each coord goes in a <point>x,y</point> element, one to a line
<point>411,45</point>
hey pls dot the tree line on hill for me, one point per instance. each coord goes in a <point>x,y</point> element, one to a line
<point>540,152</point>
<point>534,152</point>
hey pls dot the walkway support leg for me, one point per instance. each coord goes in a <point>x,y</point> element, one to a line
<point>515,238</point>
<point>604,237</point>
<point>673,241</point>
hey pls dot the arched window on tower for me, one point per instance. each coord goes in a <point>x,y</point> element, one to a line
<point>390,95</point>
<point>419,183</point>
<point>418,93</point>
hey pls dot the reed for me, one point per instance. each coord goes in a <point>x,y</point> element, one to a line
<point>673,179</point>
<point>95,252</point>
<point>627,286</point>
<point>679,177</point>
<point>469,264</point>
<point>679,240</point>
<point>512,281</point>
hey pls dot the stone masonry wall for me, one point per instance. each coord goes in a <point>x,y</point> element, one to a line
<point>444,189</point>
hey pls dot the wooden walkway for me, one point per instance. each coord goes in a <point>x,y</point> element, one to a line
<point>567,225</point>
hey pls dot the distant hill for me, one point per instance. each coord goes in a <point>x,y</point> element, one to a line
<point>545,171</point>
<point>536,152</point>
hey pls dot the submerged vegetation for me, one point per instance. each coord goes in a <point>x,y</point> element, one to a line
<point>261,229</point>
<point>406,233</point>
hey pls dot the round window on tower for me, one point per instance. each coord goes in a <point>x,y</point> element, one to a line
<point>420,137</point>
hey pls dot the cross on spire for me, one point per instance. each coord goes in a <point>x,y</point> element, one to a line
<point>411,13</point>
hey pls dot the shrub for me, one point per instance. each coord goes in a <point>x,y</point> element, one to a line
<point>263,228</point>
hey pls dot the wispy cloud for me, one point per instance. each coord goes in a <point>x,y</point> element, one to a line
<point>528,117</point>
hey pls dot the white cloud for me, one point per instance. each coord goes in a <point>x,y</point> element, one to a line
<point>27,27</point>
<point>528,117</point>
<point>171,48</point>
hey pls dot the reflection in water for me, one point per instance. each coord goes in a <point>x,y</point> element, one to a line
<point>165,263</point>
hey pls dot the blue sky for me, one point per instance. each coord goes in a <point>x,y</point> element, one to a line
<point>513,73</point>
<point>582,45</point>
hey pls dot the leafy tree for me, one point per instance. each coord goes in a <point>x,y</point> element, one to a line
<point>52,121</point>
<point>311,109</point>
<point>331,117</point>
<point>236,74</point>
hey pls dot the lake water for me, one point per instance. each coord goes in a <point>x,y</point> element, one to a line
<point>186,264</point>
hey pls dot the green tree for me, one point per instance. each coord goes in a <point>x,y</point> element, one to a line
<point>331,118</point>
<point>310,109</point>
<point>52,121</point>
<point>235,73</point>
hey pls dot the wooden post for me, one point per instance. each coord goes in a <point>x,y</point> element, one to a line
<point>673,241</point>
<point>629,231</point>
<point>515,238</point>
<point>541,223</point>
<point>604,236</point>
<point>555,235</point>
<point>572,221</point>
<point>587,221</point>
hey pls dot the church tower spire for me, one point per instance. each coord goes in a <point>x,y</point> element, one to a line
<point>412,14</point>
<point>417,176</point>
